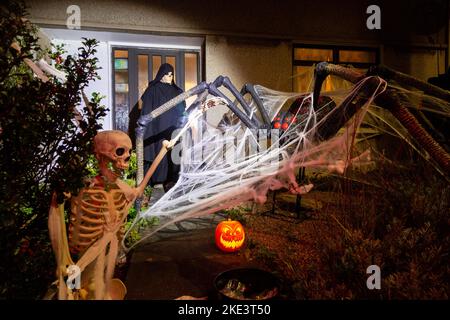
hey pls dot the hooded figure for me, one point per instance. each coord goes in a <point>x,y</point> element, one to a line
<point>159,91</point>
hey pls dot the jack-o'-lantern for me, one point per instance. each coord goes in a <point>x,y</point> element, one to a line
<point>230,235</point>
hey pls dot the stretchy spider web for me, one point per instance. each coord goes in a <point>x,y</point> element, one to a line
<point>225,165</point>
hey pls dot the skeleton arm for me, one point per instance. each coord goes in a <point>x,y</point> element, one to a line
<point>58,238</point>
<point>139,191</point>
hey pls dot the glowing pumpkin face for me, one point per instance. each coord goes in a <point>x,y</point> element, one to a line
<point>229,236</point>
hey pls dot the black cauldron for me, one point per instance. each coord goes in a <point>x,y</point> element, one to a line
<point>246,284</point>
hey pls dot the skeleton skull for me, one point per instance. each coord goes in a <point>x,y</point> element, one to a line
<point>112,150</point>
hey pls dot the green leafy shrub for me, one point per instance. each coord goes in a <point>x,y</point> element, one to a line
<point>135,234</point>
<point>237,214</point>
<point>92,166</point>
<point>43,150</point>
<point>130,173</point>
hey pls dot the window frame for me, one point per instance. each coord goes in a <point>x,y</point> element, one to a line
<point>335,49</point>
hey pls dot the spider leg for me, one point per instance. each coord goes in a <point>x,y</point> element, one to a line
<point>324,69</point>
<point>391,101</point>
<point>407,80</point>
<point>250,89</point>
<point>211,88</point>
<point>226,82</point>
<point>144,120</point>
<point>329,125</point>
<point>202,91</point>
<point>434,98</point>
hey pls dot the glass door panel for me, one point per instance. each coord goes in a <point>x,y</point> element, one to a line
<point>121,92</point>
<point>156,63</point>
<point>142,73</point>
<point>173,61</point>
<point>190,74</point>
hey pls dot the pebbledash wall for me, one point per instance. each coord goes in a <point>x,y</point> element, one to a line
<point>252,41</point>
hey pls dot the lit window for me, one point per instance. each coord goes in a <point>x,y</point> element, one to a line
<point>305,57</point>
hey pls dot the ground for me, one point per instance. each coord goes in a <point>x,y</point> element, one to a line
<point>283,241</point>
<point>322,253</point>
<point>187,263</point>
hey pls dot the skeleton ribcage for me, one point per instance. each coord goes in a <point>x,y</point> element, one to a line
<point>92,212</point>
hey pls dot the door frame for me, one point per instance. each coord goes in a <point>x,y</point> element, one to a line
<point>133,80</point>
<point>164,53</point>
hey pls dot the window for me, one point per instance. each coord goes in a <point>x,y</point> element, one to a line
<point>305,57</point>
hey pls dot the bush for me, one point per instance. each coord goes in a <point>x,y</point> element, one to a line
<point>43,150</point>
<point>237,214</point>
<point>401,225</point>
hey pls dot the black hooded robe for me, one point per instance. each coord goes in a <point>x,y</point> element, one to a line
<point>161,128</point>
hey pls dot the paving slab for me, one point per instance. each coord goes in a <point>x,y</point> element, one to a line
<point>184,264</point>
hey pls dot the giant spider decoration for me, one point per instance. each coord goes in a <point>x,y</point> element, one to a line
<point>391,99</point>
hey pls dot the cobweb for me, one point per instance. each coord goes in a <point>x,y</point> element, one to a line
<point>225,165</point>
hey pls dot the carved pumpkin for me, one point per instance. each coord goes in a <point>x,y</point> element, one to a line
<point>230,235</point>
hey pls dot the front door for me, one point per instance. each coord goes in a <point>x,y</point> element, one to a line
<point>134,68</point>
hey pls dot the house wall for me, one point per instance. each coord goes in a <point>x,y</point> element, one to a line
<point>316,21</point>
<point>268,63</point>
<point>422,63</point>
<point>103,85</point>
<point>252,41</point>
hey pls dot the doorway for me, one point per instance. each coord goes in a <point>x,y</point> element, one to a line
<point>134,68</point>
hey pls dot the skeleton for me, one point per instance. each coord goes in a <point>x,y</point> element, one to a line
<point>97,217</point>
<point>105,203</point>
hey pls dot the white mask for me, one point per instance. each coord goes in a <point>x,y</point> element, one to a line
<point>167,78</point>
